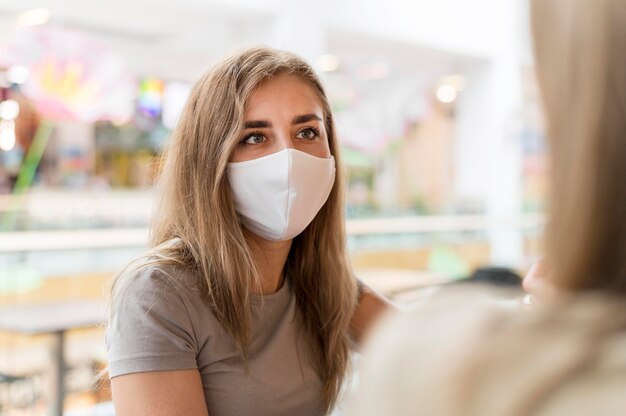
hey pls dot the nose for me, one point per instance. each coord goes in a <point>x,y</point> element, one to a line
<point>284,140</point>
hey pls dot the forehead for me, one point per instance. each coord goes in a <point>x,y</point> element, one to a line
<point>284,92</point>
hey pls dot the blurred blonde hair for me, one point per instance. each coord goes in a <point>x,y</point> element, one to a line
<point>580,50</point>
<point>196,226</point>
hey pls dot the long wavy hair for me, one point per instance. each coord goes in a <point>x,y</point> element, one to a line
<point>580,50</point>
<point>196,226</point>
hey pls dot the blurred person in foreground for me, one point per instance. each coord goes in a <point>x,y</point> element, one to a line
<point>566,356</point>
<point>246,303</point>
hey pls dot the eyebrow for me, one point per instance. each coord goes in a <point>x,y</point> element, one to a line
<point>257,124</point>
<point>304,118</point>
<point>260,124</point>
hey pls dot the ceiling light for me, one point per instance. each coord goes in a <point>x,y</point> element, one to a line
<point>7,135</point>
<point>328,63</point>
<point>9,110</point>
<point>17,74</point>
<point>446,94</point>
<point>34,17</point>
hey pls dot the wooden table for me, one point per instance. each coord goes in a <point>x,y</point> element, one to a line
<point>54,319</point>
<point>395,281</point>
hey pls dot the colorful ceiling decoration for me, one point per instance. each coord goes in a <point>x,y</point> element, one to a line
<point>70,75</point>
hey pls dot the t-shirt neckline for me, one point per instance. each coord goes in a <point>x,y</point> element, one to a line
<point>272,297</point>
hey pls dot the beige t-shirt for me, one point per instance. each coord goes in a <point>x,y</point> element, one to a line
<point>162,323</point>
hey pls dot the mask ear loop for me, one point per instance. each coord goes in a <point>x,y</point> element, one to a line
<point>289,205</point>
<point>621,96</point>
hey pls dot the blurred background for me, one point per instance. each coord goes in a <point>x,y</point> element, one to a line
<point>436,109</point>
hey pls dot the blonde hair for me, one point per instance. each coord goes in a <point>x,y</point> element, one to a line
<point>581,68</point>
<point>197,227</point>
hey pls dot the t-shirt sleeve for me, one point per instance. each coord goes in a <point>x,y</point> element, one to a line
<point>150,329</point>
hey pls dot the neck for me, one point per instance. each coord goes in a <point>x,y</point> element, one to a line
<point>270,258</point>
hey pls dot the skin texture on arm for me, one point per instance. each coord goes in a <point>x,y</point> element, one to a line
<point>159,393</point>
<point>372,306</point>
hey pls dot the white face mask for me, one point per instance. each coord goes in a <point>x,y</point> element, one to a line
<point>278,195</point>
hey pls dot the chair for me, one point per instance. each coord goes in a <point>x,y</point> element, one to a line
<point>17,391</point>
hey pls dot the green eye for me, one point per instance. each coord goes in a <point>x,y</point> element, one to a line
<point>254,138</point>
<point>308,134</point>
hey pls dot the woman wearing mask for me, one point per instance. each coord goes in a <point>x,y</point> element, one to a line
<point>566,356</point>
<point>246,304</point>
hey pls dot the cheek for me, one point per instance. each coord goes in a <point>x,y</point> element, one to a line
<point>327,147</point>
<point>326,150</point>
<point>245,153</point>
<point>237,156</point>
<point>319,149</point>
<point>324,146</point>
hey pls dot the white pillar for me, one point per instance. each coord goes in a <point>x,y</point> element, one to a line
<point>488,146</point>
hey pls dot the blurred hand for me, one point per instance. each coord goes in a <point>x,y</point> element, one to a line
<point>537,281</point>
